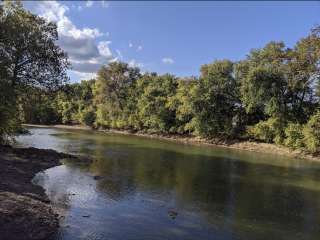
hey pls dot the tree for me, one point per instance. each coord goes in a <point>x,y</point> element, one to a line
<point>280,82</point>
<point>153,109</point>
<point>182,104</point>
<point>112,89</point>
<point>29,57</point>
<point>263,84</point>
<point>304,76</point>
<point>311,133</point>
<point>29,53</point>
<point>216,102</point>
<point>39,107</point>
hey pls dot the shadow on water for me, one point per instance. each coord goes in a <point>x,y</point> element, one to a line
<point>150,189</point>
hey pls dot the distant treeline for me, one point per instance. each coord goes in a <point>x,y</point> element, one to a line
<point>272,95</point>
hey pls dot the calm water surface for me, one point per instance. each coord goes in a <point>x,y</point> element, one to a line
<point>152,189</point>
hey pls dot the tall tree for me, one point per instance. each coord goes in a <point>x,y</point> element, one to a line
<point>29,55</point>
<point>216,102</point>
<point>153,107</point>
<point>280,82</point>
<point>112,89</point>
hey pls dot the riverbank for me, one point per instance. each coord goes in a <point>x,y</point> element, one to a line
<point>25,210</point>
<point>238,145</point>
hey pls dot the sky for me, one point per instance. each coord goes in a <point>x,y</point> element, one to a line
<point>171,37</point>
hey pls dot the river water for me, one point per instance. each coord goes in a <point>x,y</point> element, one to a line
<point>139,188</point>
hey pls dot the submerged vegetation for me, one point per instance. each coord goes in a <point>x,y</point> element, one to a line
<point>271,96</point>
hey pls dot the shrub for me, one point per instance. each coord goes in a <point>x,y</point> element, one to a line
<point>311,133</point>
<point>294,136</point>
<point>8,124</point>
<point>87,116</point>
<point>267,131</point>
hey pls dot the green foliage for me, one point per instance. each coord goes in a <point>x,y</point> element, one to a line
<point>29,56</point>
<point>69,112</point>
<point>216,102</point>
<point>29,51</point>
<point>8,113</point>
<point>88,116</point>
<point>38,107</point>
<point>268,131</point>
<point>8,124</point>
<point>294,136</point>
<point>181,104</point>
<point>153,102</point>
<point>273,90</point>
<point>113,88</point>
<point>279,82</point>
<point>311,133</point>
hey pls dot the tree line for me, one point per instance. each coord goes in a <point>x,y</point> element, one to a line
<point>272,95</point>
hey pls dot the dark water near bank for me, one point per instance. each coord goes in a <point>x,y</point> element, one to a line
<point>152,189</point>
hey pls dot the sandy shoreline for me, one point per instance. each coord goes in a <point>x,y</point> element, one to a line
<point>238,145</point>
<point>25,210</point>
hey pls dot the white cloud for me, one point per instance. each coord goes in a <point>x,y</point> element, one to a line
<point>51,10</point>
<point>89,3</point>
<point>139,48</point>
<point>56,12</point>
<point>167,60</point>
<point>104,4</point>
<point>134,63</point>
<point>79,49</point>
<point>130,45</point>
<point>84,76</point>
<point>85,55</point>
<point>119,54</point>
<point>104,49</point>
<point>116,59</point>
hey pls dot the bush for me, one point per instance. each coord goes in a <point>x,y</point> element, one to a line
<point>44,113</point>
<point>267,131</point>
<point>294,136</point>
<point>87,117</point>
<point>8,124</point>
<point>311,133</point>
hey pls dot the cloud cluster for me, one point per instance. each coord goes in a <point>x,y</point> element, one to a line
<point>138,48</point>
<point>134,63</point>
<point>86,54</point>
<point>167,60</point>
<point>89,3</point>
<point>104,4</point>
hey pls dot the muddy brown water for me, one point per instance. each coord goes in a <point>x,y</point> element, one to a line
<point>139,188</point>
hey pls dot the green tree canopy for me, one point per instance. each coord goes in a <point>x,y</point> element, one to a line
<point>216,102</point>
<point>29,57</point>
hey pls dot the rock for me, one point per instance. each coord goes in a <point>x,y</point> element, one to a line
<point>172,213</point>
<point>97,177</point>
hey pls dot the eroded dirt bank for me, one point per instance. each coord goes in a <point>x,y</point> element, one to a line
<point>25,210</point>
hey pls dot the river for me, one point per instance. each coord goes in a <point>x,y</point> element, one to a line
<point>140,188</point>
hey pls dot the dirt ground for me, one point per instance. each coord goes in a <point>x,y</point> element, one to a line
<point>25,210</point>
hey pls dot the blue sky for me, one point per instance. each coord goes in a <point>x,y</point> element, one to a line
<point>174,37</point>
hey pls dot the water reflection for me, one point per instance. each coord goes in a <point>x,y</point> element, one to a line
<point>216,193</point>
